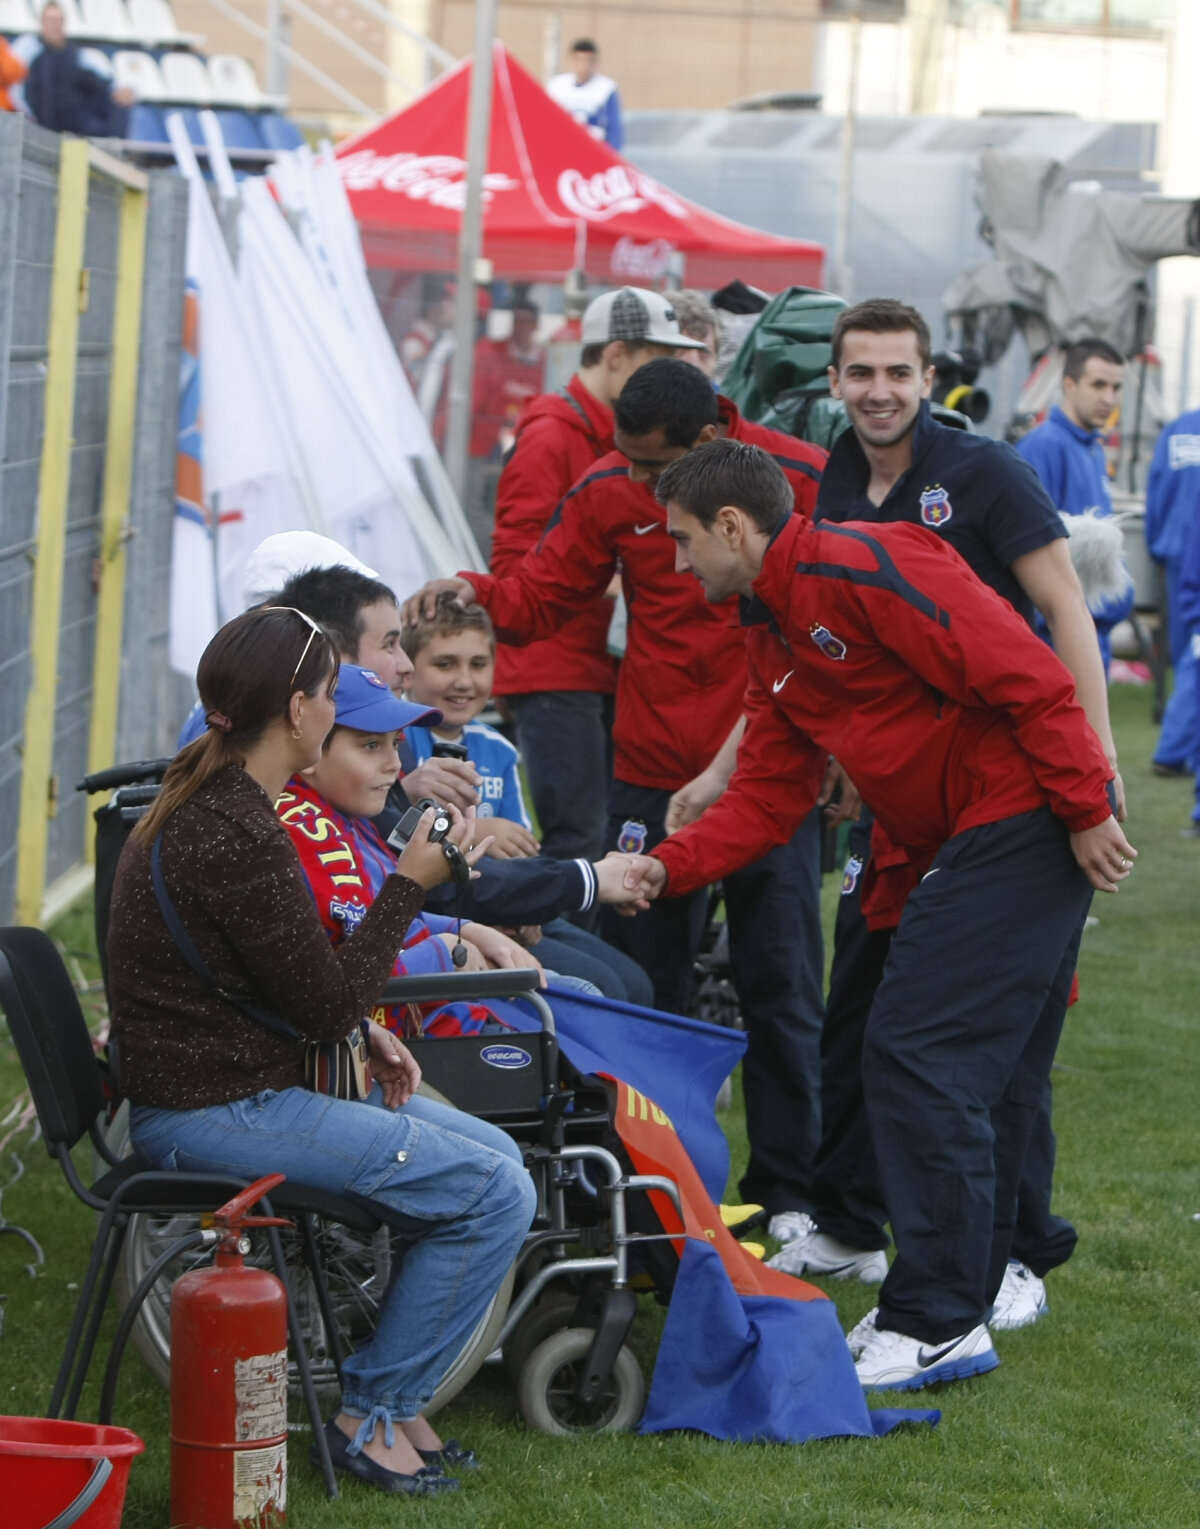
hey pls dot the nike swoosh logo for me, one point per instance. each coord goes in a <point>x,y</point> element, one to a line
<point>926,1357</point>
<point>641,530</point>
<point>928,874</point>
<point>779,684</point>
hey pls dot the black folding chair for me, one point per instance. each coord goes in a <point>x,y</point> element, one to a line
<point>55,1047</point>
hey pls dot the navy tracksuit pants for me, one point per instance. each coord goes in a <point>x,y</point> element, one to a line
<point>847,1195</point>
<point>774,915</point>
<point>956,1057</point>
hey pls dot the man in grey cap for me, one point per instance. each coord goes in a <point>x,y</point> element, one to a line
<point>560,691</point>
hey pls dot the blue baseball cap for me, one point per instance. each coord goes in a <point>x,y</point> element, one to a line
<point>366,704</point>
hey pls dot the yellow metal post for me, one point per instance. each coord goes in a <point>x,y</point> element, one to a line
<point>53,487</point>
<point>118,480</point>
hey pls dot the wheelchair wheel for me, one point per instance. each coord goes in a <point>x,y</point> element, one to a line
<point>547,1386</point>
<point>549,1315</point>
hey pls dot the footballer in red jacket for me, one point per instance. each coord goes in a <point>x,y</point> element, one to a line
<point>560,689</point>
<point>878,645</point>
<point>679,695</point>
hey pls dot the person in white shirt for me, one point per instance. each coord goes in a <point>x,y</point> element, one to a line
<point>591,98</point>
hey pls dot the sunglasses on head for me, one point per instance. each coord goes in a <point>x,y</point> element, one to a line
<point>314,631</point>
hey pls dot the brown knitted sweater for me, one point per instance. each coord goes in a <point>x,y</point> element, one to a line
<point>236,884</point>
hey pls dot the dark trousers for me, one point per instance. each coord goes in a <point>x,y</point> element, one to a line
<point>565,739</point>
<point>956,1059</point>
<point>576,953</point>
<point>847,1194</point>
<point>774,916</point>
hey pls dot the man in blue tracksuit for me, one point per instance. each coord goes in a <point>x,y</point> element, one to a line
<point>1172,509</point>
<point>1067,454</point>
<point>1189,605</point>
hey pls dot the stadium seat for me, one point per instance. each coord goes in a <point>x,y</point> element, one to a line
<point>17,16</point>
<point>186,78</point>
<point>278,133</point>
<point>146,124</point>
<point>105,20</point>
<point>239,130</point>
<point>234,82</point>
<point>139,72</point>
<point>154,23</point>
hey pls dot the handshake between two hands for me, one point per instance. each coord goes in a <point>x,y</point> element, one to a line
<point>630,882</point>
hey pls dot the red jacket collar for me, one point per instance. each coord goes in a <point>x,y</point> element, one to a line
<point>771,592</point>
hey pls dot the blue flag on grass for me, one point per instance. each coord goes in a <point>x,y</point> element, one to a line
<point>756,1367</point>
<point>679,1063</point>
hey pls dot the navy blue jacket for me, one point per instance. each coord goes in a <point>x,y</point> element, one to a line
<point>63,94</point>
<point>508,892</point>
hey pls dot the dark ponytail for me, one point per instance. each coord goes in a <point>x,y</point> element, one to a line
<point>244,685</point>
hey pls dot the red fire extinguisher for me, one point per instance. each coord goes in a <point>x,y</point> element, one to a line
<point>229,1383</point>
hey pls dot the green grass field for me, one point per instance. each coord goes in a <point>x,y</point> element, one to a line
<point>1091,1420</point>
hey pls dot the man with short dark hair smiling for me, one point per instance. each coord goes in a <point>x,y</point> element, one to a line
<point>877,645</point>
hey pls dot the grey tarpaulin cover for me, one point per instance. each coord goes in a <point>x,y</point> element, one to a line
<point>1071,258</point>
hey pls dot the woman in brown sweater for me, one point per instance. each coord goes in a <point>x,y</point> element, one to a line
<point>212,1090</point>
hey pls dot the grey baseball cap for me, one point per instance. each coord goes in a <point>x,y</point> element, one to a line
<point>634,313</point>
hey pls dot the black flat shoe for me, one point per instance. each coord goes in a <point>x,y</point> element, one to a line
<point>452,1456</point>
<point>427,1482</point>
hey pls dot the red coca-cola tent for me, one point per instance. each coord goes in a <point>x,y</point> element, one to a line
<point>554,197</point>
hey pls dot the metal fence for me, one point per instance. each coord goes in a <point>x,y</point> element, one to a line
<point>91,296</point>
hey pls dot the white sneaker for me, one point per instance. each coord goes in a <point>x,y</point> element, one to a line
<point>1021,1299</point>
<point>816,1253</point>
<point>790,1224</point>
<point>861,1333</point>
<point>893,1361</point>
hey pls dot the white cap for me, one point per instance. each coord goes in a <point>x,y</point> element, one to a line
<point>634,313</point>
<point>281,557</point>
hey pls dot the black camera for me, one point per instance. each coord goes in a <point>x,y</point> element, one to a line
<point>407,826</point>
<point>447,748</point>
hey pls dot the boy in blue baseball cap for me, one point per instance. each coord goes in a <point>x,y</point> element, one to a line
<point>327,810</point>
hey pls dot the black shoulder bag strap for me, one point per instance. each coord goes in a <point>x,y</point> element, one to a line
<point>587,424</point>
<point>197,962</point>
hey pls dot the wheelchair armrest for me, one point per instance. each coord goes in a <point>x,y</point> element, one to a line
<point>451,987</point>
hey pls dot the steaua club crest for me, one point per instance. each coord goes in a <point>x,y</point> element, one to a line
<point>831,646</point>
<point>936,508</point>
<point>851,874</point>
<point>632,840</point>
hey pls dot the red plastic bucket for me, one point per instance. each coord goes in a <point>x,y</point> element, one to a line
<point>62,1473</point>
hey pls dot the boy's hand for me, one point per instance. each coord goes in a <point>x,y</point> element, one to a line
<point>510,841</point>
<point>498,951</point>
<point>475,961</point>
<point>424,603</point>
<point>451,783</point>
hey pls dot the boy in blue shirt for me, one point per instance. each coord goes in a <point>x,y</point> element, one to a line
<point>454,660</point>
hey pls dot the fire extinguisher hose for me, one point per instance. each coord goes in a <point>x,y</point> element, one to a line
<point>108,1394</point>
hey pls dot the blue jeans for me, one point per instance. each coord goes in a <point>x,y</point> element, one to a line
<point>453,1184</point>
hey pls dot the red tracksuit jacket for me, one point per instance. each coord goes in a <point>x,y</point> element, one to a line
<point>877,644</point>
<point>683,676</point>
<point>558,439</point>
